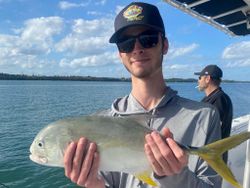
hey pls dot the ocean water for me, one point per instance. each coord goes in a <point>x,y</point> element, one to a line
<point>27,106</point>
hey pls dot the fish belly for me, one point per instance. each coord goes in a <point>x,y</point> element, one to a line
<point>123,160</point>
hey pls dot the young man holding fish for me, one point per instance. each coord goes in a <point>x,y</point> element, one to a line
<point>140,37</point>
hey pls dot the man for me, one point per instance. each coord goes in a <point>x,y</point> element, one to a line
<point>209,82</point>
<point>140,38</point>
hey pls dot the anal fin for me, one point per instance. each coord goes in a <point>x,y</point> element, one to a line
<point>146,178</point>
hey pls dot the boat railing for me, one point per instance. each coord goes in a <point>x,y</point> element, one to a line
<point>246,181</point>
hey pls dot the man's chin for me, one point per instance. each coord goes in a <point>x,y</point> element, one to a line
<point>141,73</point>
<point>201,88</point>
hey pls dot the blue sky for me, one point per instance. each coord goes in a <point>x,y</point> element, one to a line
<point>71,38</point>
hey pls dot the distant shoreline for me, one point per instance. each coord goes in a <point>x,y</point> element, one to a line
<point>5,76</point>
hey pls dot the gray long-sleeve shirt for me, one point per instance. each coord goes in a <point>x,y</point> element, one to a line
<point>192,123</point>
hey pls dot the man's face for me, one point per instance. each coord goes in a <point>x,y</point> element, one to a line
<point>142,62</point>
<point>203,82</point>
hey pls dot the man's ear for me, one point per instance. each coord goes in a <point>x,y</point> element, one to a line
<point>119,55</point>
<point>165,46</point>
<point>208,78</point>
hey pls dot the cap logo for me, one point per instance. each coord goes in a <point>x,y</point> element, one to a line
<point>132,13</point>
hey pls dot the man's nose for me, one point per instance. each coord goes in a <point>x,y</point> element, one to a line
<point>138,48</point>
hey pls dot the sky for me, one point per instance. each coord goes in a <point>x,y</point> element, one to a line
<point>52,37</point>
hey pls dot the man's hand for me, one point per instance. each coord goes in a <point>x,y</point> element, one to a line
<point>81,161</point>
<point>165,156</point>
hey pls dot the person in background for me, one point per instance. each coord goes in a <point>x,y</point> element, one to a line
<point>142,43</point>
<point>209,81</point>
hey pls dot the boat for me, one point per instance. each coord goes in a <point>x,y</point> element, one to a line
<point>229,16</point>
<point>238,159</point>
<point>233,18</point>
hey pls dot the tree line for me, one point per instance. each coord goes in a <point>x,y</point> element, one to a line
<point>6,76</point>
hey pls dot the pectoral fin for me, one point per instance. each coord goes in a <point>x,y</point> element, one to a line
<point>145,177</point>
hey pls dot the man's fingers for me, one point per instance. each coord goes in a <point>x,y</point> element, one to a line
<point>87,165</point>
<point>77,161</point>
<point>163,154</point>
<point>158,148</point>
<point>93,175</point>
<point>81,162</point>
<point>68,158</point>
<point>167,133</point>
<point>179,153</point>
<point>155,165</point>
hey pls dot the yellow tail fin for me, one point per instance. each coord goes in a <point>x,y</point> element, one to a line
<point>222,169</point>
<point>211,153</point>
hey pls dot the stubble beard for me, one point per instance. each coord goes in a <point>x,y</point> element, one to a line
<point>147,73</point>
<point>202,88</point>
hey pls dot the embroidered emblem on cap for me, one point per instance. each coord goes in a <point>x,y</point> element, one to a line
<point>132,13</point>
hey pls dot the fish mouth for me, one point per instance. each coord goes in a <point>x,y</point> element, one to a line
<point>38,159</point>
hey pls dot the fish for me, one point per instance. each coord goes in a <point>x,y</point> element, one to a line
<point>120,142</point>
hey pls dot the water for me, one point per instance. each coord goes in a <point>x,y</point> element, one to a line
<point>27,106</point>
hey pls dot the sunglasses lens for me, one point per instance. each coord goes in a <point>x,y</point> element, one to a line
<point>126,46</point>
<point>148,41</point>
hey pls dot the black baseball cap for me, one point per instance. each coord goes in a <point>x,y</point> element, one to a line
<point>212,70</point>
<point>137,13</point>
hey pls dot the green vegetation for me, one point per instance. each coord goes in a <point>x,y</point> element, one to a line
<point>5,76</point>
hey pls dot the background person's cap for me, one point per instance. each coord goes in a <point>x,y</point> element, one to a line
<point>137,13</point>
<point>212,70</point>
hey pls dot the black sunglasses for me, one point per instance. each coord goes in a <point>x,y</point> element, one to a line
<point>204,75</point>
<point>147,39</point>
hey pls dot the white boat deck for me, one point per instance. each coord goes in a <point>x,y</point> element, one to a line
<point>237,155</point>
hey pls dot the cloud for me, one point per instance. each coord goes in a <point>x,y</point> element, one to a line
<point>237,55</point>
<point>177,67</point>
<point>42,45</point>
<point>100,2</point>
<point>87,37</point>
<point>65,5</point>
<point>42,28</point>
<point>239,63</point>
<point>31,44</point>
<point>73,45</point>
<point>13,56</point>
<point>93,27</point>
<point>181,51</point>
<point>176,70</point>
<point>94,13</point>
<point>118,9</point>
<point>37,35</point>
<point>15,47</point>
<point>91,61</point>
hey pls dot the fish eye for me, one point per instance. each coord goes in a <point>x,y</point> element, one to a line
<point>40,144</point>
